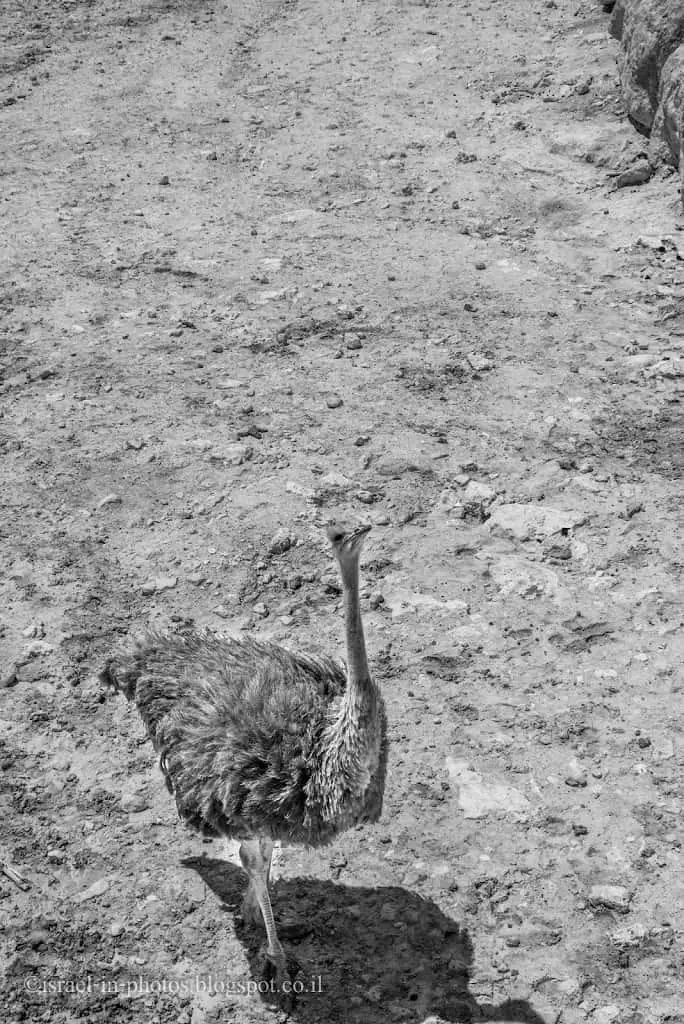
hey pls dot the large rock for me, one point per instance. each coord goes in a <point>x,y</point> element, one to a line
<point>651,68</point>
<point>667,132</point>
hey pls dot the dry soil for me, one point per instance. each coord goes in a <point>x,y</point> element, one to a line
<point>273,264</point>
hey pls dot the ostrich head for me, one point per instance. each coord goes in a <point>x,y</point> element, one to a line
<point>347,544</point>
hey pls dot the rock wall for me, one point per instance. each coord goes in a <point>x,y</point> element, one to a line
<point>651,67</point>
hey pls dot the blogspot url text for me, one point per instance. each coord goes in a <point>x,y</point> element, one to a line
<point>131,988</point>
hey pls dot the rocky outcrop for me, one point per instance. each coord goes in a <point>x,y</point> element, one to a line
<point>651,68</point>
<point>667,135</point>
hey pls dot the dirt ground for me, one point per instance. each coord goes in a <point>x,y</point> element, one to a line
<point>272,264</point>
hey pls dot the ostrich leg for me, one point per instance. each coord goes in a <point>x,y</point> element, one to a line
<point>255,855</point>
<point>251,911</point>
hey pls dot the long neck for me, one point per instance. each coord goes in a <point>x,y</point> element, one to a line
<point>359,675</point>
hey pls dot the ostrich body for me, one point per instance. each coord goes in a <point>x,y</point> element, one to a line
<point>258,743</point>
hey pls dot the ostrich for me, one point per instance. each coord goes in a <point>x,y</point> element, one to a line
<point>258,743</point>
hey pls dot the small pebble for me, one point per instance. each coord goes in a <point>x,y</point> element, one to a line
<point>280,543</point>
<point>164,180</point>
<point>334,401</point>
<point>376,599</point>
<point>352,341</point>
<point>388,912</point>
<point>478,362</point>
<point>611,897</point>
<point>37,648</point>
<point>576,781</point>
<point>9,678</point>
<point>261,610</point>
<point>110,499</point>
<point>161,583</point>
<point>39,938</point>
<point>639,173</point>
<point>133,803</point>
<point>98,888</point>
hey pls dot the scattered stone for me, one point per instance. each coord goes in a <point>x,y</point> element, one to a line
<point>610,897</point>
<point>395,466</point>
<point>38,648</point>
<point>98,888</point>
<point>663,748</point>
<point>294,487</point>
<point>39,938</point>
<point>403,601</point>
<point>637,174</point>
<point>35,631</point>
<point>475,490</point>
<point>136,444</point>
<point>335,479</point>
<point>606,1014</point>
<point>110,499</point>
<point>582,87</point>
<point>352,341</point>
<point>366,497</point>
<point>414,876</point>
<point>164,180</point>
<point>479,363</point>
<point>671,369</point>
<point>235,454</point>
<point>55,856</point>
<point>261,610</point>
<point>334,401</point>
<point>280,543</point>
<point>134,802</point>
<point>558,552</point>
<point>361,440</point>
<point>527,522</point>
<point>629,934</point>
<point>388,912</point>
<point>196,578</point>
<point>479,797</point>
<point>9,678</point>
<point>117,928</point>
<point>376,600</point>
<point>159,584</point>
<point>578,781</point>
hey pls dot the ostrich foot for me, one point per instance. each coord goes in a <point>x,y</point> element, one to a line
<point>279,975</point>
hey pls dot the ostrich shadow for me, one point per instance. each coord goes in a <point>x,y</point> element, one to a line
<point>363,955</point>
